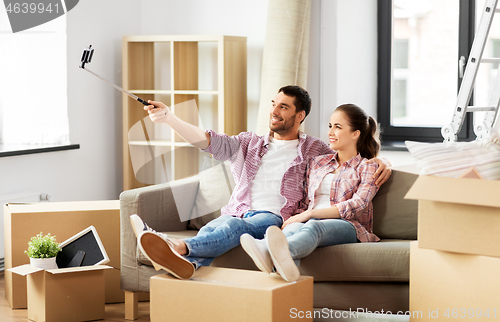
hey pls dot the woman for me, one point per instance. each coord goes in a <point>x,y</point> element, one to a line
<point>338,208</point>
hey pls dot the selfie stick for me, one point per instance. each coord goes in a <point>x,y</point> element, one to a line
<point>87,57</point>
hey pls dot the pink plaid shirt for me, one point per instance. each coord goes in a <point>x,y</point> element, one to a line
<point>245,151</point>
<point>352,191</point>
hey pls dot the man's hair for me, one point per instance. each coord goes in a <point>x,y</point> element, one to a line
<point>302,100</point>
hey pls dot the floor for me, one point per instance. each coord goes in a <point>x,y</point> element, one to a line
<point>114,312</point>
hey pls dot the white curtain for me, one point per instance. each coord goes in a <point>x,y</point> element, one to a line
<point>286,52</point>
<point>33,84</point>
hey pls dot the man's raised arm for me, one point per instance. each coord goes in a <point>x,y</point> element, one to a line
<point>160,113</point>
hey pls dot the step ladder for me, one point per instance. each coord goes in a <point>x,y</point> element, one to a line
<point>450,131</point>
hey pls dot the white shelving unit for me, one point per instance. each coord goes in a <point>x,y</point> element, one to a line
<point>212,70</point>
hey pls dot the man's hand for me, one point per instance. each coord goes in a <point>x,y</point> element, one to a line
<point>383,172</point>
<point>157,111</point>
<point>160,113</point>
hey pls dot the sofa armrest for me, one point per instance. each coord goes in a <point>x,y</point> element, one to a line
<point>157,206</point>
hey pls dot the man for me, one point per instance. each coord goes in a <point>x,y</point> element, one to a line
<point>269,173</point>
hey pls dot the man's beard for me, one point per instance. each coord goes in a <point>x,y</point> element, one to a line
<point>283,127</point>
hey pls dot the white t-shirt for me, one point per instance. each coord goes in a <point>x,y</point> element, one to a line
<point>322,194</point>
<point>266,185</point>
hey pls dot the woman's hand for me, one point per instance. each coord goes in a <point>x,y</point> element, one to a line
<point>157,111</point>
<point>302,217</point>
<point>322,213</point>
<point>383,172</point>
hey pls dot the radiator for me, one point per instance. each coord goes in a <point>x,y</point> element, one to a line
<point>15,197</point>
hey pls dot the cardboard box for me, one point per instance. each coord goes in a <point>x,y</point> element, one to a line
<point>458,215</point>
<point>66,294</point>
<point>452,286</point>
<point>223,294</point>
<point>471,173</point>
<point>62,219</point>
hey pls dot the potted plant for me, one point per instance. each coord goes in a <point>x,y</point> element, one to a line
<point>42,251</point>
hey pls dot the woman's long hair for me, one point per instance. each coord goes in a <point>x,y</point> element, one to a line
<point>369,139</point>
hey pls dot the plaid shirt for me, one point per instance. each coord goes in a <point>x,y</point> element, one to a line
<point>352,191</point>
<point>245,151</point>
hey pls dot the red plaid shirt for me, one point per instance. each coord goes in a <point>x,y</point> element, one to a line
<point>352,191</point>
<point>245,151</point>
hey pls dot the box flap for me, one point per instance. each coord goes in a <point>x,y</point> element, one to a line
<point>461,191</point>
<point>64,206</point>
<point>78,269</point>
<point>471,173</point>
<point>240,278</point>
<point>25,269</point>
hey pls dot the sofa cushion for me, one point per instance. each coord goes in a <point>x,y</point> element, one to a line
<point>394,216</point>
<point>384,261</point>
<point>214,191</point>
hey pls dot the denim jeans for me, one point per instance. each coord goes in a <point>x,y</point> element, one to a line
<point>303,238</point>
<point>223,234</point>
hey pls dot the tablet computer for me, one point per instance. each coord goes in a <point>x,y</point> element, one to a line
<point>83,249</point>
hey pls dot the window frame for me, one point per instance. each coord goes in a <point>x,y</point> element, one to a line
<point>396,135</point>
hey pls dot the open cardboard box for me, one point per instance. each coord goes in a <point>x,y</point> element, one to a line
<point>223,294</point>
<point>450,209</point>
<point>63,220</point>
<point>66,294</point>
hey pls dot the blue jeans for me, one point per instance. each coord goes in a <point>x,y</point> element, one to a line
<point>223,234</point>
<point>303,238</point>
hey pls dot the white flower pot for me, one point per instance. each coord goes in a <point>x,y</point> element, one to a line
<point>45,263</point>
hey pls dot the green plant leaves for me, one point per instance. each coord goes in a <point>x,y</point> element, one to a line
<point>43,246</point>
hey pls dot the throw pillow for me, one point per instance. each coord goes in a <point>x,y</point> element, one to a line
<point>214,191</point>
<point>451,159</point>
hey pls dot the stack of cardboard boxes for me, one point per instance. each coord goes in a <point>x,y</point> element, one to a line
<point>454,266</point>
<point>68,294</point>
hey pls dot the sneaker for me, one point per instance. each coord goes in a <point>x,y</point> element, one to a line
<point>280,254</point>
<point>163,256</point>
<point>139,226</point>
<point>257,250</point>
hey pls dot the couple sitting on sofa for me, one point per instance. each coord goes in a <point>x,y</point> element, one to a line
<point>329,205</point>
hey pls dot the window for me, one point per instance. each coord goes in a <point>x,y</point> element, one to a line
<point>420,43</point>
<point>400,80</point>
<point>33,82</point>
<point>487,73</point>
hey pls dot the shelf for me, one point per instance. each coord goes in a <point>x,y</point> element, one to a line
<point>161,143</point>
<point>175,69</point>
<point>170,92</point>
<point>184,38</point>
